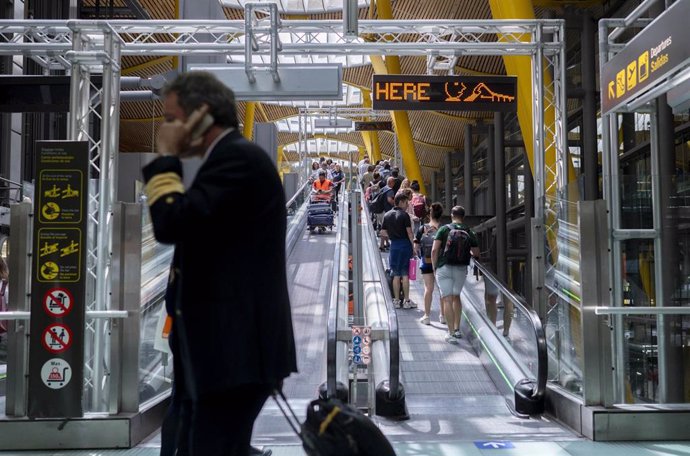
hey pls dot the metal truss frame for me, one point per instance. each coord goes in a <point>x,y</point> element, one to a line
<point>609,31</point>
<point>88,47</point>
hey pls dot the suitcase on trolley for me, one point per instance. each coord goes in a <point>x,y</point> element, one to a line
<point>333,428</point>
<point>319,208</point>
<point>320,220</point>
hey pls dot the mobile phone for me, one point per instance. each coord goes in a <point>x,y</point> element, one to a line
<point>201,127</point>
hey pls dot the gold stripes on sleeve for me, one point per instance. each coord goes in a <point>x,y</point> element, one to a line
<point>161,185</point>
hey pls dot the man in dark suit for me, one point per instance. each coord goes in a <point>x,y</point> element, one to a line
<point>231,338</point>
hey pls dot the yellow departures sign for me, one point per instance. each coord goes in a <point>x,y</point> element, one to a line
<point>656,52</point>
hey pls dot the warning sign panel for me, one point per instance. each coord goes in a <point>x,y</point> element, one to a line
<point>58,302</point>
<point>361,344</point>
<point>56,373</point>
<point>61,192</point>
<point>58,285</point>
<point>59,258</point>
<point>57,338</point>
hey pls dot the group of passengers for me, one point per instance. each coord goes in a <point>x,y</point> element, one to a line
<point>327,178</point>
<point>410,226</point>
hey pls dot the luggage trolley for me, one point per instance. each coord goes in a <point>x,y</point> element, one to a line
<point>320,214</point>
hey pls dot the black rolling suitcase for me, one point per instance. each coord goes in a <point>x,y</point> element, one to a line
<point>333,428</point>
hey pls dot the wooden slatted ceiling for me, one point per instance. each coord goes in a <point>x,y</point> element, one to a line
<point>428,129</point>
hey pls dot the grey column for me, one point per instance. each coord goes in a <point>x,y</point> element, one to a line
<point>433,187</point>
<point>590,153</point>
<point>468,190</point>
<point>628,127</point>
<point>490,171</point>
<point>491,183</point>
<point>671,346</point>
<point>500,177</point>
<point>529,213</point>
<point>448,183</point>
<point>205,10</point>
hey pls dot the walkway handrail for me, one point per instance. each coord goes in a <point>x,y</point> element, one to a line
<point>540,336</point>
<point>12,186</point>
<point>297,194</point>
<point>332,324</point>
<point>394,338</point>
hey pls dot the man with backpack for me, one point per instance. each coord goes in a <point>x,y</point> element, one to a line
<point>382,203</point>
<point>454,245</point>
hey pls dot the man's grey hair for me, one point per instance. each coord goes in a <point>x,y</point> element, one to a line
<point>195,88</point>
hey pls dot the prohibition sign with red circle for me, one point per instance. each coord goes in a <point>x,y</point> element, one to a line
<point>58,302</point>
<point>57,338</point>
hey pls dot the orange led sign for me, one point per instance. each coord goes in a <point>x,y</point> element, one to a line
<point>445,93</point>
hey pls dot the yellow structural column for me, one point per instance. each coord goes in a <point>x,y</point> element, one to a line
<point>371,138</point>
<point>521,66</point>
<point>401,121</point>
<point>249,116</point>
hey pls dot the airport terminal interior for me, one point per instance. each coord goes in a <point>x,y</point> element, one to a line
<point>561,126</point>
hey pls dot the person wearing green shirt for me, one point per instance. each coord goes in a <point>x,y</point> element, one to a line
<point>451,269</point>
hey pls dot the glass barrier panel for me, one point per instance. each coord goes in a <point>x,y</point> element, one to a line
<point>564,341</point>
<point>636,197</point>
<point>295,203</point>
<point>638,282</point>
<point>641,354</point>
<point>155,364</point>
<point>510,319</point>
<point>563,293</point>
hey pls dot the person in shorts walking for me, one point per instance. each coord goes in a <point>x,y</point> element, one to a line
<point>453,248</point>
<point>397,226</point>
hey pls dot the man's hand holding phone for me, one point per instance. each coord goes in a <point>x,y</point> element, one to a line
<point>176,137</point>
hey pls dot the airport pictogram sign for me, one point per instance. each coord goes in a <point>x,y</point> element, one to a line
<point>656,52</point>
<point>56,373</point>
<point>57,338</point>
<point>361,345</point>
<point>58,302</point>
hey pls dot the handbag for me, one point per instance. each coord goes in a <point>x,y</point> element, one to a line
<point>412,270</point>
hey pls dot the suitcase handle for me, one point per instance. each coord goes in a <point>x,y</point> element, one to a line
<point>291,417</point>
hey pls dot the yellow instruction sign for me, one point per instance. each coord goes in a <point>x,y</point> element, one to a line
<point>61,195</point>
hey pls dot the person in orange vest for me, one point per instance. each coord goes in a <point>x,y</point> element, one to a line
<point>322,188</point>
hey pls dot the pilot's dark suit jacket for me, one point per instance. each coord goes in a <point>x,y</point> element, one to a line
<point>228,288</point>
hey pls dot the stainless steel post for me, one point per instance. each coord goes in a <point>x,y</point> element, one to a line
<point>595,333</point>
<point>499,172</point>
<point>589,152</point>
<point>20,286</point>
<point>539,235</point>
<point>125,334</point>
<point>104,240</point>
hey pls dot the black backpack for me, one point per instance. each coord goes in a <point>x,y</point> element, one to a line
<point>378,203</point>
<point>458,246</point>
<point>427,242</point>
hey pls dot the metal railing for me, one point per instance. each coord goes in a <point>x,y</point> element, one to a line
<point>525,369</point>
<point>7,188</point>
<point>394,337</point>
<point>296,216</point>
<point>333,304</point>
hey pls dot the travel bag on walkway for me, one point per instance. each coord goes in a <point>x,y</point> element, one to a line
<point>333,428</point>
